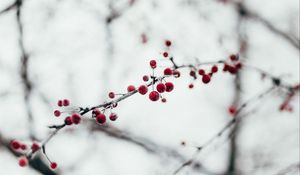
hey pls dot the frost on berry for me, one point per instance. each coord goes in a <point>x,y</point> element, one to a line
<point>154,96</point>
<point>23,161</point>
<point>101,118</point>
<point>143,89</point>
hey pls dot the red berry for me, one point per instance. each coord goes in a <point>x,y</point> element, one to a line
<point>163,100</point>
<point>238,65</point>
<point>111,95</point>
<point>165,54</point>
<point>191,86</point>
<point>145,78</point>
<point>154,96</point>
<point>56,113</point>
<point>113,116</point>
<point>160,87</point>
<point>76,118</point>
<point>169,86</point>
<point>153,64</point>
<point>168,43</point>
<point>192,73</point>
<point>66,102</point>
<point>35,147</point>
<point>143,89</point>
<point>23,147</point>
<point>68,120</point>
<point>101,118</point>
<point>232,110</point>
<point>15,144</point>
<point>96,111</point>
<point>205,79</point>
<point>201,72</point>
<point>53,165</point>
<point>214,69</point>
<point>233,57</point>
<point>60,103</point>
<point>130,88</point>
<point>23,161</point>
<point>176,73</point>
<point>232,69</point>
<point>168,71</point>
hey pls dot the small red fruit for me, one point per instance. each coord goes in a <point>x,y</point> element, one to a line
<point>101,118</point>
<point>191,86</point>
<point>143,89</point>
<point>15,144</point>
<point>168,71</point>
<point>35,147</point>
<point>113,116</point>
<point>233,57</point>
<point>232,110</point>
<point>201,72</point>
<point>163,100</point>
<point>53,165</point>
<point>153,64</point>
<point>165,54</point>
<point>66,102</point>
<point>76,118</point>
<point>176,73</point>
<point>168,43</point>
<point>145,78</point>
<point>160,87</point>
<point>154,96</point>
<point>23,161</point>
<point>68,120</point>
<point>205,79</point>
<point>214,69</point>
<point>60,103</point>
<point>111,95</point>
<point>169,86</point>
<point>23,147</point>
<point>130,88</point>
<point>56,113</point>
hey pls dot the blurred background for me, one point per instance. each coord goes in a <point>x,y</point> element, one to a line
<point>82,49</point>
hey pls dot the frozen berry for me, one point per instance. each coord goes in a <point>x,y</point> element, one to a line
<point>60,103</point>
<point>201,72</point>
<point>35,147</point>
<point>168,71</point>
<point>23,147</point>
<point>164,100</point>
<point>169,86</point>
<point>76,118</point>
<point>111,95</point>
<point>191,86</point>
<point>53,165</point>
<point>145,78</point>
<point>233,57</point>
<point>15,144</point>
<point>56,113</point>
<point>232,110</point>
<point>68,120</point>
<point>101,118</point>
<point>154,96</point>
<point>153,64</point>
<point>165,54</point>
<point>66,102</point>
<point>130,88</point>
<point>160,87</point>
<point>113,116</point>
<point>168,43</point>
<point>205,79</point>
<point>143,89</point>
<point>23,161</point>
<point>214,69</point>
